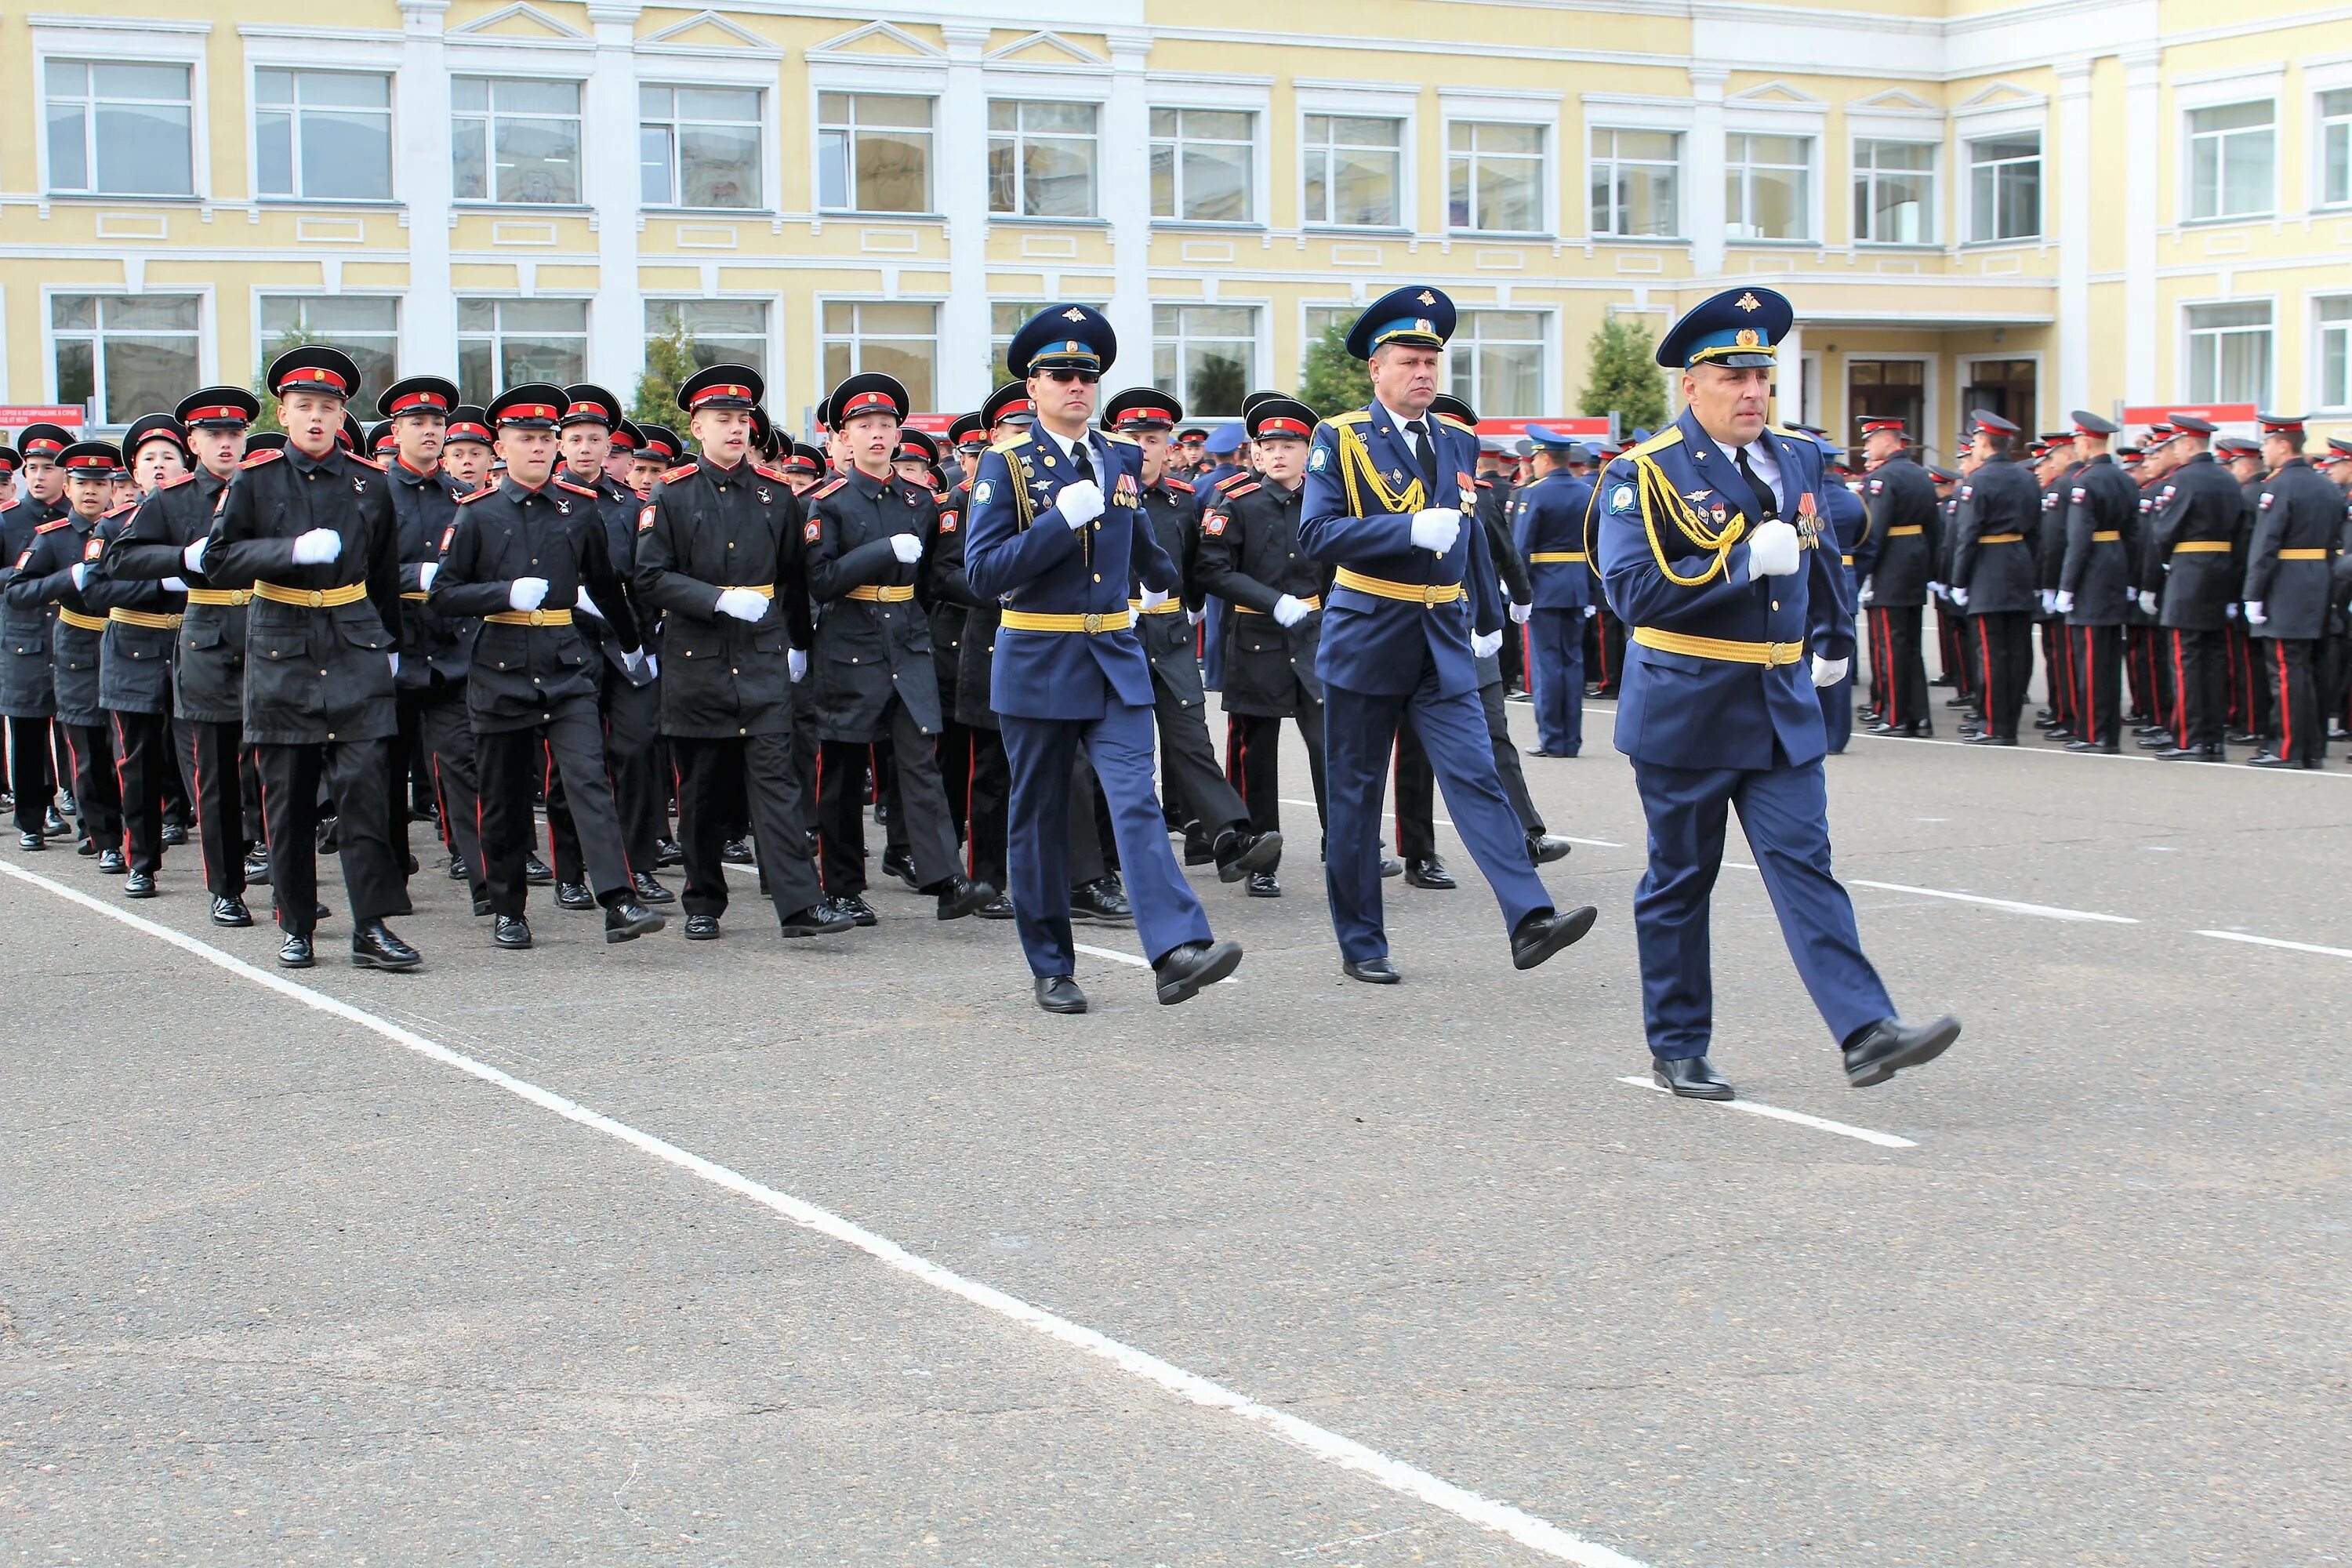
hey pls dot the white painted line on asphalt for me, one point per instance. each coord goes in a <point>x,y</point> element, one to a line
<point>2047,911</point>
<point>1442,822</point>
<point>2023,750</point>
<point>2278,942</point>
<point>1406,1480</point>
<point>1818,1123</point>
<point>1116,957</point>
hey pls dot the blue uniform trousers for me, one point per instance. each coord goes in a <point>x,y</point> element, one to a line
<point>1837,709</point>
<point>1784,811</point>
<point>1041,754</point>
<point>1556,677</point>
<point>1359,731</point>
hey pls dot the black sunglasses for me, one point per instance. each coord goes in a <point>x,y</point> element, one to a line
<point>1083,377</point>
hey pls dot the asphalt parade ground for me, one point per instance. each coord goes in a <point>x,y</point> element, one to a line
<point>843,1253</point>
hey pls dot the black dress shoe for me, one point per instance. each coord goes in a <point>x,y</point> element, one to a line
<point>1690,1077</point>
<point>295,952</point>
<point>535,871</point>
<point>1544,934</point>
<point>139,885</point>
<point>1391,867</point>
<point>53,824</point>
<point>1264,885</point>
<point>409,864</point>
<point>1877,1053</point>
<point>330,838</point>
<point>702,928</point>
<point>650,891</point>
<point>2059,732</point>
<point>1547,751</point>
<point>459,870</point>
<point>737,852</point>
<point>859,912</point>
<point>373,946</point>
<point>1429,873</point>
<point>2243,738</point>
<point>2160,742</point>
<point>86,846</point>
<point>1199,851</point>
<point>960,896</point>
<point>901,863</point>
<point>2105,748</point>
<point>999,908</point>
<point>820,919</point>
<point>511,932</point>
<point>111,862</point>
<point>1059,993</point>
<point>1543,848</point>
<point>32,841</point>
<point>573,896</point>
<point>2179,753</point>
<point>1370,971</point>
<point>175,834</point>
<point>1240,852</point>
<point>256,867</point>
<point>669,852</point>
<point>1990,740</point>
<point>629,919</point>
<point>231,912</point>
<point>2270,759</point>
<point>1182,970</point>
<point>1100,903</point>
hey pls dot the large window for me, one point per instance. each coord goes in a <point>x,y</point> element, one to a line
<point>2335,148</point>
<point>1637,183</point>
<point>1895,192</point>
<point>1497,360</point>
<point>873,152</point>
<point>2334,318</point>
<point>1200,163</point>
<point>323,135</point>
<point>2232,150</point>
<point>1768,187</point>
<point>719,331</point>
<point>698,146</point>
<point>1007,317</point>
<point>1040,158</point>
<point>515,140</point>
<point>1207,355</point>
<point>126,354</point>
<point>504,342</point>
<point>118,130</point>
<point>1355,171</point>
<point>2230,353</point>
<point>892,336</point>
<point>365,326</point>
<point>2005,187</point>
<point>1495,177</point>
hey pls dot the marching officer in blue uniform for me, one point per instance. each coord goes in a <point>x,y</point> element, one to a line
<point>1712,551</point>
<point>1388,488</point>
<point>1057,530</point>
<point>1548,528</point>
<point>1849,521</point>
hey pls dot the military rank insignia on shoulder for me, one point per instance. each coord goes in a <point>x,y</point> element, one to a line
<point>187,479</point>
<point>362,458</point>
<point>575,489</point>
<point>681,471</point>
<point>1181,486</point>
<point>776,474</point>
<point>267,454</point>
<point>477,495</point>
<point>131,506</point>
<point>827,487</point>
<point>51,527</point>
<point>1242,489</point>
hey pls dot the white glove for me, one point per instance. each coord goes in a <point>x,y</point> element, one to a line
<point>1154,597</point>
<point>1194,616</point>
<point>395,662</point>
<point>425,575</point>
<point>634,661</point>
<point>2229,612</point>
<point>909,549</point>
<point>2048,599</point>
<point>653,667</point>
<point>176,584</point>
<point>1939,589</point>
<point>1830,672</point>
<point>79,572</point>
<point>800,665</point>
<point>2062,602</point>
<point>2255,616</point>
<point>1772,551</point>
<point>1436,528</point>
<point>2147,603</point>
<point>585,602</point>
<point>743,604</point>
<point>1590,611</point>
<point>526,593</point>
<point>1519,614</point>
<point>1862,597</point>
<point>1289,612</point>
<point>1960,597</point>
<point>1081,503</point>
<point>1486,644</point>
<point>317,547</point>
<point>193,555</point>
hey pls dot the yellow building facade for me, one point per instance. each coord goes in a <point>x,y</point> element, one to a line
<point>2032,207</point>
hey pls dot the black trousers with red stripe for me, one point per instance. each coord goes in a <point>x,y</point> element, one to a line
<point>290,776</point>
<point>2058,661</point>
<point>1902,681</point>
<point>1956,662</point>
<point>97,788</point>
<point>2201,684</point>
<point>30,779</point>
<point>228,813</point>
<point>2005,649</point>
<point>2299,731</point>
<point>144,764</point>
<point>2095,658</point>
<point>1254,762</point>
<point>2250,682</point>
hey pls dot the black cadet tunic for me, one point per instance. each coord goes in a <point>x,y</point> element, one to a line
<point>872,640</point>
<point>208,675</point>
<point>947,599</point>
<point>432,642</point>
<point>525,663</point>
<point>2101,511</point>
<point>317,637</point>
<point>142,627</point>
<point>617,507</point>
<point>1173,514</point>
<point>25,689</point>
<point>43,577</point>
<point>2196,525</point>
<point>2298,520</point>
<point>1994,531</point>
<point>1249,557</point>
<point>706,529</point>
<point>1906,520</point>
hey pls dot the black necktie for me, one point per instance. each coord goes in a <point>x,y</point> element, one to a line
<point>1424,454</point>
<point>1080,460</point>
<point>1764,496</point>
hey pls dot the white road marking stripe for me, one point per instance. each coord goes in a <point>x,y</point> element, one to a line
<point>2047,911</point>
<point>1819,1123</point>
<point>2030,751</point>
<point>1406,1480</point>
<point>2278,942</point>
<point>1442,822</point>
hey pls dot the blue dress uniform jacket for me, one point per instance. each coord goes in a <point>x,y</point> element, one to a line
<point>869,649</point>
<point>1682,710</point>
<point>1549,522</point>
<point>1373,644</point>
<point>1020,549</point>
<point>208,673</point>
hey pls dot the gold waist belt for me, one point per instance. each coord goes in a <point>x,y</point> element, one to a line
<point>1422,593</point>
<point>312,598</point>
<point>2201,547</point>
<point>1547,557</point>
<point>1033,621</point>
<point>150,620</point>
<point>532,617</point>
<point>884,594</point>
<point>233,598</point>
<point>86,623</point>
<point>1770,654</point>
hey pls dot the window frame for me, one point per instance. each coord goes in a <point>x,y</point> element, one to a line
<point>88,47</point>
<point>1350,101</point>
<point>207,319</point>
<point>1856,174</point>
<point>1547,168</point>
<point>861,87</point>
<point>1616,123</point>
<point>498,335</point>
<point>820,339</point>
<point>1806,131</point>
<point>1254,373</point>
<point>2322,86</point>
<point>2314,305</point>
<point>1972,137</point>
<point>2190,332</point>
<point>2189,139</point>
<point>366,66</point>
<point>575,76</point>
<point>763,124</point>
<point>1546,351</point>
<point>1256,160</point>
<point>262,339</point>
<point>1019,93</point>
<point>771,350</point>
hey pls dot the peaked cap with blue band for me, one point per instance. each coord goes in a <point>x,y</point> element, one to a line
<point>1415,314</point>
<point>1062,337</point>
<point>1737,328</point>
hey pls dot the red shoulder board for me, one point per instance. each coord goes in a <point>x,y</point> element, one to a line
<point>827,487</point>
<point>477,495</point>
<point>939,497</point>
<point>7,503</point>
<point>1240,491</point>
<point>1485,484</point>
<point>677,473</point>
<point>124,510</point>
<point>267,454</point>
<point>361,457</point>
<point>186,478</point>
<point>776,474</point>
<point>1182,487</point>
<point>54,524</point>
<point>577,489</point>
<point>1230,481</point>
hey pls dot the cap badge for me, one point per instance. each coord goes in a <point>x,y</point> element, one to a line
<point>1074,314</point>
<point>1748,338</point>
<point>1427,298</point>
<point>1750,302</point>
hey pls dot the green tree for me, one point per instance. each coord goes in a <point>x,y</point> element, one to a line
<point>1622,376</point>
<point>1332,380</point>
<point>291,338</point>
<point>670,360</point>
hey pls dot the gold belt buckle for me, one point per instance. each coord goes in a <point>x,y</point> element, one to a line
<point>1092,621</point>
<point>318,599</point>
<point>1429,596</point>
<point>539,617</point>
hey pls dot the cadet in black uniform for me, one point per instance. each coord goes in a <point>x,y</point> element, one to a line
<point>2299,523</point>
<point>1993,573</point>
<point>28,698</point>
<point>2101,510</point>
<point>1908,522</point>
<point>523,556</point>
<point>868,535</point>
<point>1250,558</point>
<point>945,605</point>
<point>134,661</point>
<point>53,572</point>
<point>309,528</point>
<point>719,557</point>
<point>2194,537</point>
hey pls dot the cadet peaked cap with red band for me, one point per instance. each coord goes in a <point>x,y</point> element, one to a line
<point>314,367</point>
<point>660,441</point>
<point>721,387</point>
<point>468,422</point>
<point>417,395</point>
<point>533,406</point>
<point>1142,408</point>
<point>870,391</point>
<point>91,460</point>
<point>218,408</point>
<point>588,403</point>
<point>42,441</point>
<point>1280,419</point>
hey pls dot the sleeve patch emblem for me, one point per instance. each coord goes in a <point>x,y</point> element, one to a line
<point>93,550</point>
<point>947,522</point>
<point>1622,499</point>
<point>812,531</point>
<point>981,491</point>
<point>1318,458</point>
<point>1213,523</point>
<point>645,519</point>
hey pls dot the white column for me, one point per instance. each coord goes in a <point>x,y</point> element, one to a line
<point>423,181</point>
<point>1788,377</point>
<point>1126,203</point>
<point>2073,167</point>
<point>2140,139</point>
<point>1703,159</point>
<point>616,321</point>
<point>959,186</point>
